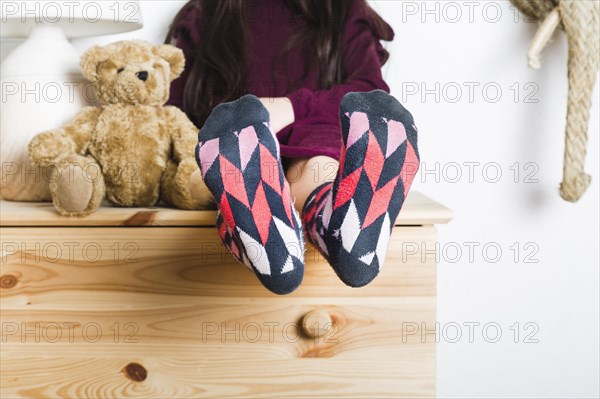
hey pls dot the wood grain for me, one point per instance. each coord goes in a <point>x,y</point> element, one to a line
<point>269,328</point>
<point>418,209</point>
<point>186,373</point>
<point>147,303</point>
<point>366,354</point>
<point>182,261</point>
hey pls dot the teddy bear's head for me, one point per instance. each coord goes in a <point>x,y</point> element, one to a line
<point>132,72</point>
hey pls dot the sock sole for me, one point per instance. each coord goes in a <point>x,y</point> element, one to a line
<point>240,163</point>
<point>356,220</point>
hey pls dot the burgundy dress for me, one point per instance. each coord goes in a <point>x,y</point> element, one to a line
<point>316,129</point>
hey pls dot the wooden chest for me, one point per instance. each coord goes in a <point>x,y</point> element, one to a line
<point>147,303</point>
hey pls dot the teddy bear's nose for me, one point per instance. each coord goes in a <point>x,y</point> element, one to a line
<point>142,75</point>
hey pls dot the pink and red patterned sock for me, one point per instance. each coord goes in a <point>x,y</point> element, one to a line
<point>240,163</point>
<point>350,220</point>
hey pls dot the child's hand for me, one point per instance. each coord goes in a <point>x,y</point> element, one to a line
<point>281,112</point>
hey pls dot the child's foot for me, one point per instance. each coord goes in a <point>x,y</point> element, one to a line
<point>239,159</point>
<point>350,220</point>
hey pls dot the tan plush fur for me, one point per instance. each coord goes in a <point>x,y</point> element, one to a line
<point>131,148</point>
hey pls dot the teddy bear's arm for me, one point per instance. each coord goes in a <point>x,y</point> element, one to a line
<point>47,147</point>
<point>182,185</point>
<point>184,135</point>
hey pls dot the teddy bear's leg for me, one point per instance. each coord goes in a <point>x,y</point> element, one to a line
<point>77,185</point>
<point>182,186</point>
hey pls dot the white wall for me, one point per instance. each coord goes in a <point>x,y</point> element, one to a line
<point>560,292</point>
<point>485,46</point>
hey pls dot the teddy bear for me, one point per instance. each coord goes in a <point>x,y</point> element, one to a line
<point>131,149</point>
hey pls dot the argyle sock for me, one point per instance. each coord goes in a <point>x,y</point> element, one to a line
<point>240,163</point>
<point>350,220</point>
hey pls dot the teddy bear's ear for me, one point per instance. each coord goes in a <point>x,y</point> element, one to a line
<point>173,56</point>
<point>90,60</point>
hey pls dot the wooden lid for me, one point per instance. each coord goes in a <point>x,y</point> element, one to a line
<point>417,210</point>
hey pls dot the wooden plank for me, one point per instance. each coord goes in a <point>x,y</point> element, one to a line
<point>187,374</point>
<point>196,314</point>
<point>88,262</point>
<point>417,210</point>
<point>274,327</point>
<point>366,356</point>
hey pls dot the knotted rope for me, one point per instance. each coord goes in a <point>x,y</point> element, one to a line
<point>581,22</point>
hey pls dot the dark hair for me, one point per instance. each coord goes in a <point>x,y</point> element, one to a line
<point>218,72</point>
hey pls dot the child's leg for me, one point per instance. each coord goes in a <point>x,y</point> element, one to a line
<point>240,162</point>
<point>305,175</point>
<point>350,220</point>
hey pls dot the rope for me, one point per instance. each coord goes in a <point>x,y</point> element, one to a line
<point>536,9</point>
<point>581,22</point>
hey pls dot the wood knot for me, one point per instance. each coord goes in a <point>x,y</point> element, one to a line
<point>8,281</point>
<point>135,372</point>
<point>141,218</point>
<point>319,351</point>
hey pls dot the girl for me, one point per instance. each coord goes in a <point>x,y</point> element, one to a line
<point>313,103</point>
